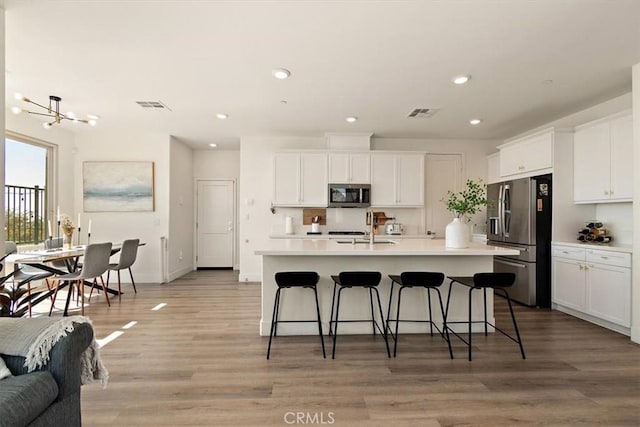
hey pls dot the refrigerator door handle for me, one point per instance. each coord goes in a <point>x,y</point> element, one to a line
<point>506,206</point>
<point>500,209</point>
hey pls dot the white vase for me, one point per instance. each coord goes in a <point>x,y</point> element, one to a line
<point>456,234</point>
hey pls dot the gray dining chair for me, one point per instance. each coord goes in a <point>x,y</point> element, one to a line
<point>56,243</point>
<point>96,263</point>
<point>128,255</point>
<point>24,275</point>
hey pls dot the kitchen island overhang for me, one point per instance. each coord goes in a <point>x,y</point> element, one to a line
<point>330,257</point>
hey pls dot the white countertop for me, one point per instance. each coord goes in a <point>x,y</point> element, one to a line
<point>408,247</point>
<point>326,236</point>
<point>601,247</point>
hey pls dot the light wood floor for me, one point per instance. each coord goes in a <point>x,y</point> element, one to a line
<point>200,361</point>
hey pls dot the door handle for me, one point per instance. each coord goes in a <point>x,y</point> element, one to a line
<point>512,264</point>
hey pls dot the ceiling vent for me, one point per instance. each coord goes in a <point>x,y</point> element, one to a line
<point>153,105</point>
<point>422,113</point>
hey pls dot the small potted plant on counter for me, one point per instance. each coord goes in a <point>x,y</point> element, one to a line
<point>467,202</point>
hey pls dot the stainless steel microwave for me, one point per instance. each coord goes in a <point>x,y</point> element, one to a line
<point>349,195</point>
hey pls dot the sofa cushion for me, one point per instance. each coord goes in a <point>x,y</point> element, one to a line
<point>24,397</point>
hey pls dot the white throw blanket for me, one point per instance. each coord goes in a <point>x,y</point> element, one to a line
<point>33,339</point>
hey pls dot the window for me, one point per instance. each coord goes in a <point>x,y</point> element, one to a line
<point>27,194</point>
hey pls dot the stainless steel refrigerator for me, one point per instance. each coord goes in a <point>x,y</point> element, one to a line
<point>519,216</point>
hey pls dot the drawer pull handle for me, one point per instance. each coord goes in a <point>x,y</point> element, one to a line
<point>565,252</point>
<point>604,257</point>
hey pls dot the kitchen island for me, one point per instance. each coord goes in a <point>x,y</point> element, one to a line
<point>387,256</point>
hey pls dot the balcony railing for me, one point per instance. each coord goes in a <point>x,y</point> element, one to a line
<point>25,214</point>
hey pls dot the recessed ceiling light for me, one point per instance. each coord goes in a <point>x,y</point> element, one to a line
<point>460,80</point>
<point>18,96</point>
<point>92,122</point>
<point>222,116</point>
<point>213,145</point>
<point>281,73</point>
<point>351,119</point>
<point>475,122</point>
<point>92,117</point>
<point>16,110</point>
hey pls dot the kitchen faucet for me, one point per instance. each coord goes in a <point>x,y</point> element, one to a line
<point>371,238</point>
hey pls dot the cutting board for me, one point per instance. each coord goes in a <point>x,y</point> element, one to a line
<point>308,214</point>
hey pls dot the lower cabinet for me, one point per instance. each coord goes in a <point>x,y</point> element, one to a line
<point>593,284</point>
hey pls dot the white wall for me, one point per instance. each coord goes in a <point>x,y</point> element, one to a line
<point>181,215</point>
<point>216,164</point>
<point>96,145</point>
<point>2,104</point>
<point>635,302</point>
<point>256,177</point>
<point>222,165</point>
<point>256,190</point>
<point>618,220</point>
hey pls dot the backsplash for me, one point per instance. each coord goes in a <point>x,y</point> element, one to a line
<point>618,218</point>
<point>348,219</point>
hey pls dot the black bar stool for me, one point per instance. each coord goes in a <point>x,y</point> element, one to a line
<point>357,279</point>
<point>417,279</point>
<point>497,282</point>
<point>295,279</point>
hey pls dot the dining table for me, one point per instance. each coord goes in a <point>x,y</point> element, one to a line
<point>44,259</point>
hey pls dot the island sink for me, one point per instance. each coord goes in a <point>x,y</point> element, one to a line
<point>363,242</point>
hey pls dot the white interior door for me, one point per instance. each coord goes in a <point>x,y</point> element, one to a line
<point>443,173</point>
<point>215,224</point>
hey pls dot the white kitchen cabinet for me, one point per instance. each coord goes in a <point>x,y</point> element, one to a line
<point>603,165</point>
<point>609,293</point>
<point>300,179</point>
<point>569,283</point>
<point>529,156</point>
<point>397,179</point>
<point>349,168</point>
<point>493,168</point>
<point>594,284</point>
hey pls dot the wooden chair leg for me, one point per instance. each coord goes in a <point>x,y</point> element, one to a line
<point>29,297</point>
<point>80,285</point>
<point>55,295</point>
<point>119,288</point>
<point>132,282</point>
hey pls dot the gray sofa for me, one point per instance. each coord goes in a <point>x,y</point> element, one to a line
<point>49,396</point>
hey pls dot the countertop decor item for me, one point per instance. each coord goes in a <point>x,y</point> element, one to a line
<point>463,203</point>
<point>67,229</point>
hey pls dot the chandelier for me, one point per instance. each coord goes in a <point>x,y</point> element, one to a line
<point>53,112</point>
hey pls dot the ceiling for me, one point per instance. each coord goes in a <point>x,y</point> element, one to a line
<point>530,62</point>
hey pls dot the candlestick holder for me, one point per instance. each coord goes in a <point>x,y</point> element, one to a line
<point>79,230</point>
<point>88,239</point>
<point>58,231</point>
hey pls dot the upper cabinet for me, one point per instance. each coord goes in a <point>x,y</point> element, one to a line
<point>603,164</point>
<point>493,168</point>
<point>397,179</point>
<point>528,156</point>
<point>349,168</point>
<point>300,179</point>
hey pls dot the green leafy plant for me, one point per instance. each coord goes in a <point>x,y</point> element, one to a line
<point>469,200</point>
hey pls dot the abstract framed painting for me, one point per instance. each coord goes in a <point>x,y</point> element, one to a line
<point>118,186</point>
